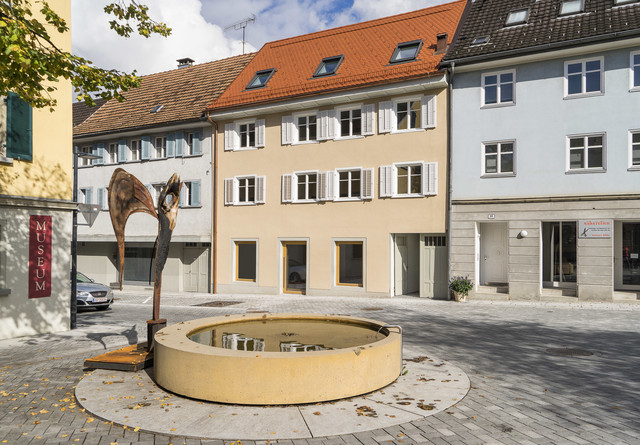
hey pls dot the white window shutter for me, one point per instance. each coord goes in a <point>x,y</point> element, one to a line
<point>386,181</point>
<point>229,192</point>
<point>385,117</point>
<point>286,188</point>
<point>230,137</point>
<point>325,186</point>
<point>368,119</point>
<point>429,111</point>
<point>260,124</point>
<point>430,178</point>
<point>366,184</point>
<point>260,189</point>
<point>287,130</point>
<point>326,127</point>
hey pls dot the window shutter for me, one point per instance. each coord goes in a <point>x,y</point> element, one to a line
<point>230,137</point>
<point>171,145</point>
<point>195,193</point>
<point>386,181</point>
<point>183,194</point>
<point>430,178</point>
<point>287,130</point>
<point>151,192</point>
<point>326,125</point>
<point>368,119</point>
<point>325,186</point>
<point>19,128</point>
<point>89,196</point>
<point>146,147</point>
<point>286,188</point>
<point>229,192</point>
<point>100,201</point>
<point>98,150</point>
<point>366,185</point>
<point>122,152</point>
<point>179,136</point>
<point>260,124</point>
<point>429,111</point>
<point>196,149</point>
<point>260,189</point>
<point>385,117</point>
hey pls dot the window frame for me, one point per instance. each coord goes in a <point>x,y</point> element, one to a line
<point>499,173</point>
<point>585,149</point>
<point>338,126</point>
<point>631,133</point>
<point>349,170</point>
<point>583,80</point>
<point>111,156</point>
<point>407,100</point>
<point>269,74</point>
<point>186,194</point>
<point>520,22</point>
<point>349,241</point>
<point>565,14</point>
<point>498,85</point>
<point>236,260</point>
<point>324,61</point>
<point>132,150</point>
<point>159,150</point>
<point>296,128</point>
<point>633,73</point>
<point>400,46</point>
<point>85,162</point>
<point>296,198</point>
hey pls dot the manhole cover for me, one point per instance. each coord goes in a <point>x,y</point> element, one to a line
<point>371,308</point>
<point>569,352</point>
<point>218,303</point>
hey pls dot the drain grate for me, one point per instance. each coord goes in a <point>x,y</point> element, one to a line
<point>569,352</point>
<point>219,303</point>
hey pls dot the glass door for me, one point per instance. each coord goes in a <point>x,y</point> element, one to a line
<point>630,254</point>
<point>560,253</point>
<point>295,267</point>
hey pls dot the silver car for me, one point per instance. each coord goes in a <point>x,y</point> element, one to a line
<point>92,294</point>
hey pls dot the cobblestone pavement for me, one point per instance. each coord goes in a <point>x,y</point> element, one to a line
<point>520,393</point>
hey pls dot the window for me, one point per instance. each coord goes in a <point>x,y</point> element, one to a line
<point>325,125</point>
<point>407,114</point>
<point>349,263</point>
<point>634,75</point>
<point>84,195</point>
<point>583,77</point>
<point>244,135</point>
<point>634,152</point>
<point>498,88</point>
<point>103,199</point>
<point>497,158</point>
<point>624,2</point>
<point>156,191</point>
<point>328,66</point>
<point>112,153</point>
<point>190,194</point>
<point>586,152</point>
<point>571,7</point>
<point>160,147</point>
<point>19,129</point>
<point>306,128</point>
<point>192,143</point>
<point>480,40</point>
<point>307,186</point>
<point>136,150</point>
<point>246,260</point>
<point>349,184</point>
<point>409,179</point>
<point>350,122</point>
<point>260,79</point>
<point>82,162</point>
<point>243,190</point>
<point>517,17</point>
<point>406,52</point>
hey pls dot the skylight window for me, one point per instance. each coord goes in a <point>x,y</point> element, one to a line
<point>157,108</point>
<point>571,7</point>
<point>624,2</point>
<point>406,52</point>
<point>480,40</point>
<point>517,17</point>
<point>261,78</point>
<point>328,66</point>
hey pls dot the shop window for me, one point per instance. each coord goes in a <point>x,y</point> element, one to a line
<point>350,271</point>
<point>246,260</point>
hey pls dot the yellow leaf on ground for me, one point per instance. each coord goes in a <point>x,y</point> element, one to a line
<point>90,419</point>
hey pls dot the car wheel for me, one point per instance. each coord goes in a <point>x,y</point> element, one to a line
<point>102,308</point>
<point>294,277</point>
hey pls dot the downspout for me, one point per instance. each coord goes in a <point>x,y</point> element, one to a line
<point>214,208</point>
<point>449,168</point>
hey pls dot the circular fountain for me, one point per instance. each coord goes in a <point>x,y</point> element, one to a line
<point>276,359</point>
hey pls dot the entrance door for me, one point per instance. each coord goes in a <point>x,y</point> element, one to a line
<point>401,265</point>
<point>196,269</point>
<point>559,252</point>
<point>493,253</point>
<point>630,254</point>
<point>295,267</point>
<point>434,267</point>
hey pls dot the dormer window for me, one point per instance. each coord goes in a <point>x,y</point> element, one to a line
<point>261,78</point>
<point>480,40</point>
<point>571,7</point>
<point>328,66</point>
<point>517,17</point>
<point>406,52</point>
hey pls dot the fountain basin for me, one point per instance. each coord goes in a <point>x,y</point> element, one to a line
<point>262,377</point>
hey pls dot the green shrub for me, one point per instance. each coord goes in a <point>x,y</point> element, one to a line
<point>460,284</point>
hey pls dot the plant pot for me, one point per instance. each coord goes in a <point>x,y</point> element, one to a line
<point>459,296</point>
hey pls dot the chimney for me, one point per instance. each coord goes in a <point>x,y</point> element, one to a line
<point>441,43</point>
<point>186,62</point>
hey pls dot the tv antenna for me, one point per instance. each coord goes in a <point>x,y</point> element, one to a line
<point>242,24</point>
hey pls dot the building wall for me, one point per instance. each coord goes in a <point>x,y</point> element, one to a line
<point>323,223</point>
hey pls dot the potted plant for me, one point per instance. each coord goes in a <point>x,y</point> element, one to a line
<point>460,286</point>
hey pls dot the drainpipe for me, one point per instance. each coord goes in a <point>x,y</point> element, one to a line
<point>214,207</point>
<point>449,168</point>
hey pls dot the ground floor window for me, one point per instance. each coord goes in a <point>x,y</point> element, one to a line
<point>139,264</point>
<point>559,251</point>
<point>631,254</point>
<point>349,265</point>
<point>246,260</point>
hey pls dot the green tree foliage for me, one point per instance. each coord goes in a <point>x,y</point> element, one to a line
<point>31,63</point>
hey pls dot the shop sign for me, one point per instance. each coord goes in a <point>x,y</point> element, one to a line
<point>39,256</point>
<point>595,228</point>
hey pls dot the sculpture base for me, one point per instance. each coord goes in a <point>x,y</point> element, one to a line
<point>154,326</point>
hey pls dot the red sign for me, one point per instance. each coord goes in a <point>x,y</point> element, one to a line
<point>39,256</point>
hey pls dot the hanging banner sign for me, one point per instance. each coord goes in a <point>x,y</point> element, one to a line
<point>595,228</point>
<point>39,256</point>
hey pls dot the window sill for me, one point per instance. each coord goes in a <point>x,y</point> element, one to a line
<point>245,282</point>
<point>191,207</point>
<point>634,89</point>
<point>499,105</point>
<point>346,138</point>
<point>305,201</point>
<point>6,161</point>
<point>408,195</point>
<point>304,143</point>
<point>409,130</point>
<point>5,292</point>
<point>245,149</point>
<point>585,170</point>
<point>243,204</point>
<point>348,199</point>
<point>583,95</point>
<point>498,175</point>
<point>634,168</point>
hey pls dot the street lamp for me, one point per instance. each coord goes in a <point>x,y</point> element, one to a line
<point>74,234</point>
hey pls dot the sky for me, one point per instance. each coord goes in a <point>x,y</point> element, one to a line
<point>199,28</point>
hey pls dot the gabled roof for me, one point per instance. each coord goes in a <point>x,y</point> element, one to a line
<point>367,49</point>
<point>81,111</point>
<point>544,30</point>
<point>183,93</point>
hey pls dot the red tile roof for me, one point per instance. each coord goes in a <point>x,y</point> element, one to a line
<point>367,48</point>
<point>184,93</point>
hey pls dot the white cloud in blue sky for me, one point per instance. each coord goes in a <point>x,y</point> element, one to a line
<point>198,28</point>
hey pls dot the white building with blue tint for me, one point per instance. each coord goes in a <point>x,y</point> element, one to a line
<point>545,149</point>
<point>159,130</point>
